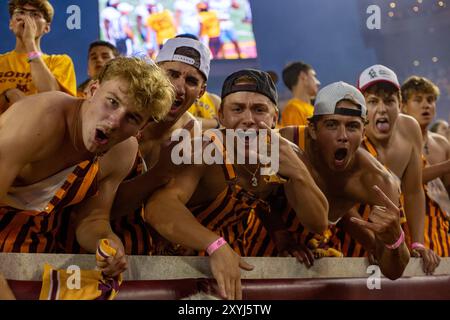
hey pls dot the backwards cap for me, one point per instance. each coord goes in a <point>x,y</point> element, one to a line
<point>263,84</point>
<point>328,97</point>
<point>173,50</point>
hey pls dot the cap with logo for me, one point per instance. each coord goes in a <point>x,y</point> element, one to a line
<point>175,50</point>
<point>263,84</point>
<point>328,97</point>
<point>377,73</point>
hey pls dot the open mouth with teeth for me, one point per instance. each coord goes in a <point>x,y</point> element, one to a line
<point>339,157</point>
<point>101,137</point>
<point>383,125</point>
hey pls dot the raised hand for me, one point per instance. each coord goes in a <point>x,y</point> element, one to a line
<point>384,219</point>
<point>29,31</point>
<point>288,158</point>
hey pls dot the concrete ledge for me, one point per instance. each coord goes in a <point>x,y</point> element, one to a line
<point>19,266</point>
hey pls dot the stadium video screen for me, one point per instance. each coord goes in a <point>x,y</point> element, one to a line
<point>142,26</point>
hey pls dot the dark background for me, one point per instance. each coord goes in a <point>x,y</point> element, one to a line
<point>330,35</point>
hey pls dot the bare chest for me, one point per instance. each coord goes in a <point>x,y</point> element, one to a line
<point>50,162</point>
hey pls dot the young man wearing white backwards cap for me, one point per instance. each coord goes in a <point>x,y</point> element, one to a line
<point>347,175</point>
<point>395,140</point>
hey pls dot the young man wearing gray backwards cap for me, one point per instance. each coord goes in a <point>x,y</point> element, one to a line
<point>348,175</point>
<point>211,207</point>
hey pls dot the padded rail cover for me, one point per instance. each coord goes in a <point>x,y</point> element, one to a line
<point>427,287</point>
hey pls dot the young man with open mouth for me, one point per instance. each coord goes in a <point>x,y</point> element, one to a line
<point>58,151</point>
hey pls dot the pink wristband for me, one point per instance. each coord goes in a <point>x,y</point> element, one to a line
<point>33,55</point>
<point>215,245</point>
<point>397,243</point>
<point>416,245</point>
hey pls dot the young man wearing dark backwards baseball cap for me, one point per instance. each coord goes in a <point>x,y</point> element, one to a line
<point>348,175</point>
<point>210,207</point>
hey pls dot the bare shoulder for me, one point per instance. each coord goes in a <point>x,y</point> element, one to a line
<point>36,123</point>
<point>410,129</point>
<point>408,124</point>
<point>372,171</point>
<point>43,108</point>
<point>440,140</point>
<point>119,160</point>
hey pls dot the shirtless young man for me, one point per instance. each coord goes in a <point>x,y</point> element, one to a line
<point>52,157</point>
<point>395,139</point>
<point>419,96</point>
<point>206,207</point>
<point>348,175</point>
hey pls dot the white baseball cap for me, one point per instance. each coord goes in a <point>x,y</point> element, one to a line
<point>377,73</point>
<point>172,51</point>
<point>329,96</point>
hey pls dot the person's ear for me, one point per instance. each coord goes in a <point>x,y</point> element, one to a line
<point>93,87</point>
<point>312,130</point>
<point>47,28</point>
<point>275,118</point>
<point>202,91</point>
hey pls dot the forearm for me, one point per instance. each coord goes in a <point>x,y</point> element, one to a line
<point>435,171</point>
<point>176,223</point>
<point>392,262</point>
<point>415,215</point>
<point>309,203</point>
<point>90,232</point>
<point>42,77</point>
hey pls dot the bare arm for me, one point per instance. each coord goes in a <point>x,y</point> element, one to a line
<point>167,213</point>
<point>434,171</point>
<point>302,192</point>
<point>41,76</point>
<point>93,214</point>
<point>412,186</point>
<point>384,224</point>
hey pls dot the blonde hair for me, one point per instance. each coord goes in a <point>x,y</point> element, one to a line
<point>43,6</point>
<point>416,84</point>
<point>149,85</point>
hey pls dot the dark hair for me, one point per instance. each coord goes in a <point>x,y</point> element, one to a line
<point>291,72</point>
<point>187,35</point>
<point>383,89</point>
<point>101,43</point>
